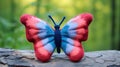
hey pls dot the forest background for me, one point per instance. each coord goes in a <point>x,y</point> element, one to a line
<point>104,31</point>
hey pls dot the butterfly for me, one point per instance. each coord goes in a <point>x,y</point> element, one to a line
<point>46,39</point>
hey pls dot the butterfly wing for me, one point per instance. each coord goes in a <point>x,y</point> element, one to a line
<point>41,34</point>
<point>75,31</point>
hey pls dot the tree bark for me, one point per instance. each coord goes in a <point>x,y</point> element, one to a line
<point>26,58</point>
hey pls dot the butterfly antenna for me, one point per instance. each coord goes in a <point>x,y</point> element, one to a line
<point>52,19</point>
<point>62,21</point>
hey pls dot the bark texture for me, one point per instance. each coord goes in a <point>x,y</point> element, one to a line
<point>26,58</point>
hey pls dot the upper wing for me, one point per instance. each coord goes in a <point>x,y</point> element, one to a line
<point>75,31</point>
<point>41,34</point>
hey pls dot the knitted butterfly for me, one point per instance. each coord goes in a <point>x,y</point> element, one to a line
<point>46,39</point>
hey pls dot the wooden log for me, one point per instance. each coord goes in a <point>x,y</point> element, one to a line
<point>26,58</point>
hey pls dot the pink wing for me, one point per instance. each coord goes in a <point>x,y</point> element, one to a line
<point>42,36</point>
<point>75,31</point>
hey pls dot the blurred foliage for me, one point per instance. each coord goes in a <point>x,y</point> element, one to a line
<point>12,32</point>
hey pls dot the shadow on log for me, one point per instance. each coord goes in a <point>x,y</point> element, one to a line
<point>26,58</point>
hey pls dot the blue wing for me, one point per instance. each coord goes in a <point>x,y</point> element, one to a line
<point>69,42</point>
<point>46,35</point>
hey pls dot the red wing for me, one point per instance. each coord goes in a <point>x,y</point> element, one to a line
<point>42,36</point>
<point>75,31</point>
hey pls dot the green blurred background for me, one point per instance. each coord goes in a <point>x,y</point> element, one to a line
<point>104,33</point>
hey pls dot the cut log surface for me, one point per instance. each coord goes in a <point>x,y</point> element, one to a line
<point>26,58</point>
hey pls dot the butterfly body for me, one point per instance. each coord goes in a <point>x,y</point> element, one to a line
<point>46,39</point>
<point>57,38</point>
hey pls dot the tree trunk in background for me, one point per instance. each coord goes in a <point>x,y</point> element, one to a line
<point>37,7</point>
<point>13,21</point>
<point>118,23</point>
<point>47,5</point>
<point>12,11</point>
<point>113,24</point>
